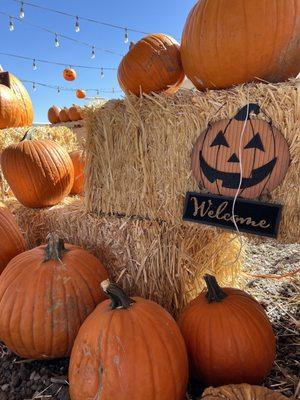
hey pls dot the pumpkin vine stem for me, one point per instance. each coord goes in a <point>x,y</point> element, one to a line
<point>214,292</point>
<point>28,135</point>
<point>55,248</point>
<point>119,299</point>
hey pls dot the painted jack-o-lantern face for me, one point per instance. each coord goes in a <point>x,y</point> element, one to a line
<point>264,156</point>
<point>69,74</point>
<point>80,94</point>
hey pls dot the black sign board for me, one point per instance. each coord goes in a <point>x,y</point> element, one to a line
<point>250,216</point>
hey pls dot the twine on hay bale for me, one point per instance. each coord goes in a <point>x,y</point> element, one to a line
<point>155,260</point>
<point>139,149</point>
<point>60,134</point>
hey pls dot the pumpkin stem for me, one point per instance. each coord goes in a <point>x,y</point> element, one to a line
<point>55,248</point>
<point>251,108</point>
<point>117,296</point>
<point>28,135</point>
<point>214,292</point>
<point>132,44</point>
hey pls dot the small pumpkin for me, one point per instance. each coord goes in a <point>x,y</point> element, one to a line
<point>241,392</point>
<point>53,114</point>
<point>75,113</point>
<point>79,165</point>
<point>64,115</point>
<point>45,295</point>
<point>152,65</point>
<point>12,241</point>
<point>128,349</point>
<point>237,332</point>
<point>25,117</point>
<point>228,43</point>
<point>9,108</point>
<point>69,74</point>
<point>80,94</point>
<point>39,172</point>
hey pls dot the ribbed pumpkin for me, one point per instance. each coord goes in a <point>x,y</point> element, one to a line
<point>79,165</point>
<point>39,172</point>
<point>9,108</point>
<point>152,65</point>
<point>75,113</point>
<point>24,101</point>
<point>128,349</point>
<point>45,295</point>
<point>53,114</point>
<point>241,392</point>
<point>80,94</point>
<point>225,43</point>
<point>228,336</point>
<point>64,115</point>
<point>69,74</point>
<point>12,241</point>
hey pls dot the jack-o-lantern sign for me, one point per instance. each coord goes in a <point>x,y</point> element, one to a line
<point>241,144</point>
<point>69,74</point>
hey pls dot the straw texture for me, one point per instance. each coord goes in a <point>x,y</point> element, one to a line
<point>155,260</point>
<point>139,149</point>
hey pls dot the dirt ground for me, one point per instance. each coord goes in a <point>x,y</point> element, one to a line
<point>27,379</point>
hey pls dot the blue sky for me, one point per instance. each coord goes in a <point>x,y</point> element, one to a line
<point>165,16</point>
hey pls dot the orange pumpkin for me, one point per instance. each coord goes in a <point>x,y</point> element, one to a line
<point>152,65</point>
<point>56,286</point>
<point>53,114</point>
<point>228,336</point>
<point>64,115</point>
<point>69,74</point>
<point>24,102</point>
<point>241,392</point>
<point>80,94</point>
<point>128,349</point>
<point>75,113</point>
<point>12,241</point>
<point>9,108</point>
<point>228,43</point>
<point>79,165</point>
<point>39,172</point>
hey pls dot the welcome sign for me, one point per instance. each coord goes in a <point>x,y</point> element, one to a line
<point>250,216</point>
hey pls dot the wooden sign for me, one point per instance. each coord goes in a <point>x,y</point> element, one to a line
<point>219,154</point>
<point>250,216</point>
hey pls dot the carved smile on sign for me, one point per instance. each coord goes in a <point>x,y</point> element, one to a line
<point>219,153</point>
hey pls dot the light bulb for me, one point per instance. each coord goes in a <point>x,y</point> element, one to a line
<point>113,90</point>
<point>22,13</point>
<point>56,41</point>
<point>58,90</point>
<point>11,24</point>
<point>34,87</point>
<point>97,92</point>
<point>34,66</point>
<point>93,54</point>
<point>102,73</point>
<point>77,26</point>
<point>126,37</point>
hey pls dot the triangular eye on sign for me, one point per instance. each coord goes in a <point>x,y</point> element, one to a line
<point>242,142</point>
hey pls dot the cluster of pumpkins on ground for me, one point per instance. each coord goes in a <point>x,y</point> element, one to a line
<point>57,115</point>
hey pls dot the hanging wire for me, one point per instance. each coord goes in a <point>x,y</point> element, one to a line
<point>22,13</point>
<point>11,24</point>
<point>34,66</point>
<point>77,26</point>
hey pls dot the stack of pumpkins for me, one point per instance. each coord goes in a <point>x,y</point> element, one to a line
<point>57,115</point>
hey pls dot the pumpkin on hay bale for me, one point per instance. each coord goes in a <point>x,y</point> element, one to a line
<point>53,114</point>
<point>79,165</point>
<point>241,392</point>
<point>150,259</point>
<point>75,113</point>
<point>64,115</point>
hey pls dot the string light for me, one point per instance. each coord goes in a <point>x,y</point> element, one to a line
<point>22,13</point>
<point>34,66</point>
<point>77,26</point>
<point>98,93</point>
<point>102,73</point>
<point>11,24</point>
<point>34,87</point>
<point>93,54</point>
<point>126,37</point>
<point>56,41</point>
<point>58,89</point>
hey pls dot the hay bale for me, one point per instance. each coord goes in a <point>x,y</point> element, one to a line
<point>60,134</point>
<point>159,261</point>
<point>139,149</point>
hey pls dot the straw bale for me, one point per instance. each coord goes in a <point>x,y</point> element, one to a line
<point>139,149</point>
<point>60,134</point>
<point>155,260</point>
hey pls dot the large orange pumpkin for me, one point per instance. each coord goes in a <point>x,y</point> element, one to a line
<point>241,392</point>
<point>39,172</point>
<point>24,101</point>
<point>228,336</point>
<point>225,43</point>
<point>53,114</point>
<point>9,108</point>
<point>152,65</point>
<point>64,115</point>
<point>45,295</point>
<point>75,113</point>
<point>12,241</point>
<point>128,349</point>
<point>79,165</point>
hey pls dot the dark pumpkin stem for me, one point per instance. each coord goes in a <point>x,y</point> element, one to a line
<point>28,135</point>
<point>117,296</point>
<point>214,292</point>
<point>55,248</point>
<point>242,113</point>
<point>132,44</point>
